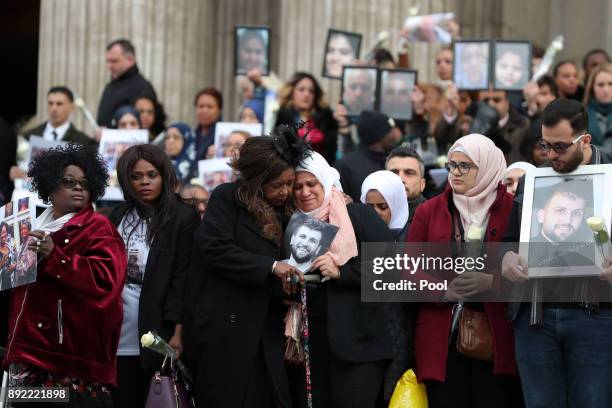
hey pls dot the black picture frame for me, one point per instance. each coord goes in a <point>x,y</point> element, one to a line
<point>460,78</point>
<point>383,105</point>
<point>354,109</point>
<point>240,67</point>
<point>521,49</point>
<point>354,40</point>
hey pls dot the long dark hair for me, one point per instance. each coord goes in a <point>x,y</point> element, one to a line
<point>287,91</point>
<point>160,213</point>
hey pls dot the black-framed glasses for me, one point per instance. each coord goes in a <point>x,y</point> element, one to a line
<point>464,167</point>
<point>559,147</point>
<point>69,182</point>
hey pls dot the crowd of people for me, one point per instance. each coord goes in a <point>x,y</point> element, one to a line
<point>205,269</point>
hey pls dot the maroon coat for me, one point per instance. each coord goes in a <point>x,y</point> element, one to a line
<point>433,223</point>
<point>69,321</point>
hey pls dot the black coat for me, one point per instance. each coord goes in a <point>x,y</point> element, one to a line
<point>123,91</point>
<point>358,330</point>
<point>72,135</point>
<point>324,121</point>
<point>8,159</point>
<point>356,166</point>
<point>160,306</point>
<point>233,305</point>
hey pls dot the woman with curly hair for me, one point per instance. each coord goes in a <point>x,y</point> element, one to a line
<point>233,302</point>
<point>64,328</point>
<point>302,101</point>
<point>158,231</point>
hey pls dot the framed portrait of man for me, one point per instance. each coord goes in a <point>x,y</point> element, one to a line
<point>359,89</point>
<point>305,239</point>
<point>251,49</point>
<point>341,48</point>
<point>395,92</point>
<point>555,238</point>
<point>511,64</point>
<point>471,68</point>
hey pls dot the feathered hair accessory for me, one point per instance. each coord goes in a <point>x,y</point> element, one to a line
<point>290,146</point>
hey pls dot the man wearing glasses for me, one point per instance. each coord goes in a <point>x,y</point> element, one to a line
<point>563,349</point>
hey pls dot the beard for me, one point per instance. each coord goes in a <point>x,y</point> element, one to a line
<point>300,256</point>
<point>556,238</point>
<point>569,165</point>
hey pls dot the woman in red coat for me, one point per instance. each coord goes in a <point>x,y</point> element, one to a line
<point>473,198</point>
<point>64,327</point>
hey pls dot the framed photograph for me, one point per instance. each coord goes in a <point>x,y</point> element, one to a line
<point>395,92</point>
<point>230,136</point>
<point>251,49</point>
<point>112,145</point>
<point>512,64</point>
<point>213,172</point>
<point>17,262</point>
<point>555,238</point>
<point>38,145</point>
<point>341,48</point>
<point>471,68</point>
<point>305,239</point>
<point>359,89</point>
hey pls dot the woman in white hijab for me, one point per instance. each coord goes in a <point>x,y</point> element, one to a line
<point>350,345</point>
<point>384,191</point>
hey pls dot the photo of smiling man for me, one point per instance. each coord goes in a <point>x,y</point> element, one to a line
<point>305,239</point>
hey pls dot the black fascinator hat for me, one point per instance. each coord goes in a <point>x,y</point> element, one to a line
<point>289,145</point>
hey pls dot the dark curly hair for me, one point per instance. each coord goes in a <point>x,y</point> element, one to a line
<point>47,169</point>
<point>261,160</point>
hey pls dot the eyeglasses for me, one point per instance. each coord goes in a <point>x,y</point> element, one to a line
<point>464,168</point>
<point>560,147</point>
<point>194,202</point>
<point>496,99</point>
<point>68,182</point>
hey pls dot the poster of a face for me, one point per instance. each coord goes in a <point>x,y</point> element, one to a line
<point>230,136</point>
<point>341,48</point>
<point>555,238</point>
<point>252,49</point>
<point>17,262</point>
<point>471,68</point>
<point>305,239</point>
<point>512,64</point>
<point>396,88</point>
<point>213,172</point>
<point>38,145</point>
<point>112,145</point>
<point>359,89</point>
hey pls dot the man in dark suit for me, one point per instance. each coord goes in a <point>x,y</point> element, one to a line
<point>60,104</point>
<point>126,85</point>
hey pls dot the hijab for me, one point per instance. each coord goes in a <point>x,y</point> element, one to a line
<point>119,113</point>
<point>526,167</point>
<point>184,162</point>
<point>333,209</point>
<point>391,187</point>
<point>474,204</point>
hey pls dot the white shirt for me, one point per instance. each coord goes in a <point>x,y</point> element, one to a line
<point>137,253</point>
<point>60,130</point>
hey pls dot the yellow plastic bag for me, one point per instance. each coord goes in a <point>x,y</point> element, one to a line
<point>409,393</point>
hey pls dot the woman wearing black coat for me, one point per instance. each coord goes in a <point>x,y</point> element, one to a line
<point>350,342</point>
<point>233,329</point>
<point>303,101</point>
<point>158,231</point>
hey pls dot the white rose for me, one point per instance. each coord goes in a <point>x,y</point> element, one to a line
<point>596,224</point>
<point>147,339</point>
<point>475,233</point>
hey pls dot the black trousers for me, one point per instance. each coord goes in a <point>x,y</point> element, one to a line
<point>132,383</point>
<point>470,383</point>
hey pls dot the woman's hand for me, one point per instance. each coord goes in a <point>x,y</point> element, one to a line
<point>43,244</point>
<point>176,341</point>
<point>211,151</point>
<point>327,266</point>
<point>286,273</point>
<point>469,284</point>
